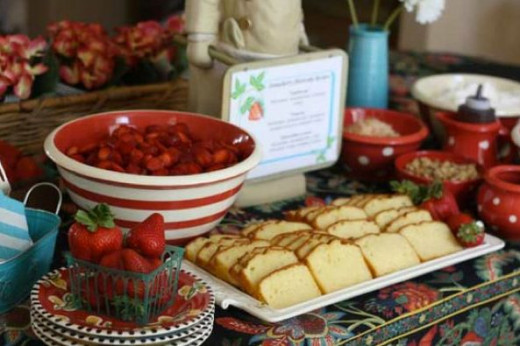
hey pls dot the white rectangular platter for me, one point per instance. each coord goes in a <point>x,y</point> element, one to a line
<point>226,295</point>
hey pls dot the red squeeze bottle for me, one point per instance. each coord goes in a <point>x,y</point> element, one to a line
<point>477,109</point>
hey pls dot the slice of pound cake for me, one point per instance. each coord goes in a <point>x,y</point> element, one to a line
<point>352,229</point>
<point>194,246</point>
<point>271,230</point>
<point>337,265</point>
<point>387,253</point>
<point>223,260</point>
<point>412,217</point>
<point>383,218</point>
<point>261,265</point>
<point>288,286</point>
<point>431,239</point>
<point>388,202</point>
<point>335,214</point>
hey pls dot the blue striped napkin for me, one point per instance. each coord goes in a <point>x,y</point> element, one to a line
<point>14,232</point>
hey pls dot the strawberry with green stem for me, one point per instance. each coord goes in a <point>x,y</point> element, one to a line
<point>468,232</point>
<point>435,198</point>
<point>94,234</point>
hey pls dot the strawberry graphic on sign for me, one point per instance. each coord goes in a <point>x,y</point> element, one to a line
<point>256,111</point>
<point>250,97</point>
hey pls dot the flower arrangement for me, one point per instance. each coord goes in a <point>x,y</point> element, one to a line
<point>147,50</point>
<point>84,55</point>
<point>427,11</point>
<point>85,52</point>
<point>20,63</point>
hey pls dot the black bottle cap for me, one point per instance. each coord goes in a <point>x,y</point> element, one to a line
<point>477,109</point>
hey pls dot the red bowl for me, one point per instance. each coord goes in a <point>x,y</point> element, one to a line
<point>372,158</point>
<point>462,191</point>
<point>499,201</point>
<point>191,205</point>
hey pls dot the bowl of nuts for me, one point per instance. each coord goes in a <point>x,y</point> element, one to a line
<point>458,174</point>
<point>187,167</point>
<point>373,138</point>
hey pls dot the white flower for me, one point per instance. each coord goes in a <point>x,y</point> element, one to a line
<point>427,11</point>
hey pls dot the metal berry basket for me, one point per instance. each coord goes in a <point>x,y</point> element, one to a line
<point>126,295</point>
<point>18,274</point>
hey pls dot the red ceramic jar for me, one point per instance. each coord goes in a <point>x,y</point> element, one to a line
<point>499,201</point>
<point>372,158</point>
<point>462,190</point>
<point>477,142</point>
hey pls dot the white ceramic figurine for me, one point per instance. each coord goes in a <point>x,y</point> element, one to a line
<point>244,29</point>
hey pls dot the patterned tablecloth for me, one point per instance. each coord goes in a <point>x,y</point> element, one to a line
<point>474,303</point>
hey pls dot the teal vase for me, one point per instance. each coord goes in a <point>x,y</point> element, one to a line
<point>368,67</point>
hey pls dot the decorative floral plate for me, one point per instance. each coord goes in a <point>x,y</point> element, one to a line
<point>193,339</point>
<point>76,338</point>
<point>52,300</point>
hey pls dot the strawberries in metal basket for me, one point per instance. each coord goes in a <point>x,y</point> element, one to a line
<point>147,238</point>
<point>94,234</point>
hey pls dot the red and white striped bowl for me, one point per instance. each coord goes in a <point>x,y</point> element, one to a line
<point>191,204</point>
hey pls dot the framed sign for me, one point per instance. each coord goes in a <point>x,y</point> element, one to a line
<point>293,106</point>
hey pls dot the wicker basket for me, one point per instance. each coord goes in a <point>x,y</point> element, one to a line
<point>26,124</point>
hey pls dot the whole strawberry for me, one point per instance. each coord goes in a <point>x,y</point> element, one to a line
<point>147,238</point>
<point>94,234</point>
<point>468,232</point>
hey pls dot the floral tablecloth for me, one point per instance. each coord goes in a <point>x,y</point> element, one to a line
<point>474,303</point>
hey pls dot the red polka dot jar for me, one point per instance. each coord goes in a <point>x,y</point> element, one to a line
<point>499,201</point>
<point>477,142</point>
<point>371,157</point>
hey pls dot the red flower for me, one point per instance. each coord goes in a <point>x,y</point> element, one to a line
<point>146,40</point>
<point>175,24</point>
<point>90,49</point>
<point>17,63</point>
<point>414,296</point>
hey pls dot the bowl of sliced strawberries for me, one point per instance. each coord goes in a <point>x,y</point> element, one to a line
<point>132,277</point>
<point>187,167</point>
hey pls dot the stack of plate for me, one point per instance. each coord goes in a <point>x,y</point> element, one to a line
<point>57,320</point>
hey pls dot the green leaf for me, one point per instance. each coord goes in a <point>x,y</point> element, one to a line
<point>46,83</point>
<point>407,187</point>
<point>260,78</point>
<point>86,220</point>
<point>330,141</point>
<point>120,69</point>
<point>247,105</point>
<point>144,72</point>
<point>129,308</point>
<point>402,299</point>
<point>435,190</point>
<point>257,82</point>
<point>239,90</point>
<point>99,216</point>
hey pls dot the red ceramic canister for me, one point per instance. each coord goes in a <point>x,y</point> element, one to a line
<point>499,201</point>
<point>475,141</point>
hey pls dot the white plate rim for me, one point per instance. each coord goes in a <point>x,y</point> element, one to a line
<point>227,295</point>
<point>195,341</point>
<point>99,339</point>
<point>418,91</point>
<point>149,332</point>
